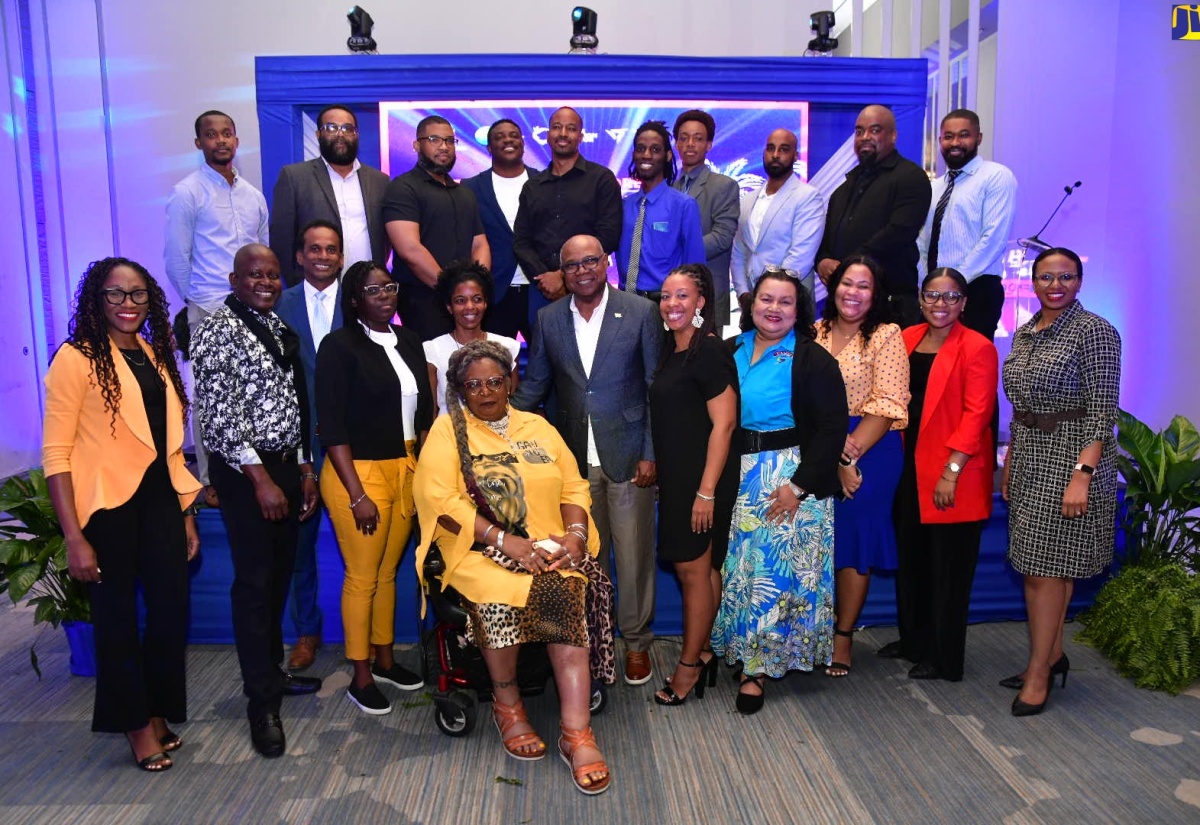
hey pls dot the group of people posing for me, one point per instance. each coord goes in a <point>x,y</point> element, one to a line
<point>775,470</point>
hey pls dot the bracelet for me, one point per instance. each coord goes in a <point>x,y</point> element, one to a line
<point>313,476</point>
<point>500,541</point>
<point>703,497</point>
<point>580,526</point>
<point>358,500</point>
<point>582,536</point>
<point>487,533</point>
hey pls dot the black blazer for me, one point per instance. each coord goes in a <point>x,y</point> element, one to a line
<point>358,393</point>
<point>820,413</point>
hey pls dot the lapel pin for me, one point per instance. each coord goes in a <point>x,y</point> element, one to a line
<point>618,315</point>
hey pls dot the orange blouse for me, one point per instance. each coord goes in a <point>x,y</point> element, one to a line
<point>876,373</point>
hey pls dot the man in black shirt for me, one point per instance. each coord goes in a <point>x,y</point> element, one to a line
<point>573,197</point>
<point>878,211</point>
<point>431,221</point>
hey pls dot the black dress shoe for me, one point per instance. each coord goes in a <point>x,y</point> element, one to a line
<point>924,671</point>
<point>294,685</point>
<point>893,650</point>
<point>266,732</point>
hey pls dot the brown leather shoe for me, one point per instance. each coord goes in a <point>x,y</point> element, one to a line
<point>637,667</point>
<point>304,652</point>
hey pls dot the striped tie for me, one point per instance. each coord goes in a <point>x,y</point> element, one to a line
<point>635,248</point>
<point>938,213</point>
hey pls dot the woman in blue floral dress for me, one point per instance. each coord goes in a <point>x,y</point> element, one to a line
<point>776,610</point>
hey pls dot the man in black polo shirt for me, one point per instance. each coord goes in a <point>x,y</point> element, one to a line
<point>573,197</point>
<point>431,221</point>
<point>878,211</point>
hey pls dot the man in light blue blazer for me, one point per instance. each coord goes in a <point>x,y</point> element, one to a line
<point>781,222</point>
<point>598,349</point>
<point>312,308</point>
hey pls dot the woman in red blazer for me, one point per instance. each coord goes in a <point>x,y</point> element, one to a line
<point>945,492</point>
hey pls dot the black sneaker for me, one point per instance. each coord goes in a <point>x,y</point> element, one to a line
<point>369,699</point>
<point>397,676</point>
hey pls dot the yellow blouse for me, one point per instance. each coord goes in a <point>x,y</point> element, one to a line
<point>532,471</point>
<point>876,374</point>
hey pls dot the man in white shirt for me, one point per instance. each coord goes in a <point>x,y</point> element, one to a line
<point>334,187</point>
<point>211,214</point>
<point>977,201</point>
<point>515,301</point>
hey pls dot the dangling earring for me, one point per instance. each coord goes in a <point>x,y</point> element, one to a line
<point>667,328</point>
<point>697,319</point>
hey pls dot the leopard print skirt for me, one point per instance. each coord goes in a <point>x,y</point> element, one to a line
<point>555,613</point>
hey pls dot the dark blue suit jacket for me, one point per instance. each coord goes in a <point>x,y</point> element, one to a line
<point>293,309</point>
<point>496,228</point>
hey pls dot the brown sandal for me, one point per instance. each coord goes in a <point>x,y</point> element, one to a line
<point>505,716</point>
<point>573,740</point>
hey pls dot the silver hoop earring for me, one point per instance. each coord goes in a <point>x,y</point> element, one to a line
<point>697,319</point>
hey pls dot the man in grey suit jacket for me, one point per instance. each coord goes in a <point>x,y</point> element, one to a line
<point>334,187</point>
<point>598,349</point>
<point>313,309</point>
<point>716,195</point>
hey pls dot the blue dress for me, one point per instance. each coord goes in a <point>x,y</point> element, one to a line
<point>776,611</point>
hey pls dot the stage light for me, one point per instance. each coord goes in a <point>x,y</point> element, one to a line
<point>360,30</point>
<point>583,40</point>
<point>822,22</point>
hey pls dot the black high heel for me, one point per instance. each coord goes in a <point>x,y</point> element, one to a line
<point>1020,708</point>
<point>674,698</point>
<point>710,668</point>
<point>749,704</point>
<point>840,666</point>
<point>1061,667</point>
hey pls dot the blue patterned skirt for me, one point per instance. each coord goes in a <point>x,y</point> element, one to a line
<point>776,611</point>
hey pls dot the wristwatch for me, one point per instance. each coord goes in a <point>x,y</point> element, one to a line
<point>954,467</point>
<point>1085,468</point>
<point>799,492</point>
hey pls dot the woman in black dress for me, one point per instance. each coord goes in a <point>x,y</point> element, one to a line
<point>693,412</point>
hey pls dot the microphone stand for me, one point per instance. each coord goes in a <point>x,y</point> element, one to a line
<point>1035,241</point>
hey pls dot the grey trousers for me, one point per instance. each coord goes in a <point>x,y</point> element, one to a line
<point>624,516</point>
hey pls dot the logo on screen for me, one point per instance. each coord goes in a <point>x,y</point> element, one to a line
<point>1185,23</point>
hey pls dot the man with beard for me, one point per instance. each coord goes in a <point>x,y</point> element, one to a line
<point>431,220</point>
<point>968,226</point>
<point>598,352</point>
<point>573,197</point>
<point>878,211</point>
<point>780,223</point>
<point>252,405</point>
<point>660,226</point>
<point>716,195</point>
<point>211,214</point>
<point>498,191</point>
<point>334,187</point>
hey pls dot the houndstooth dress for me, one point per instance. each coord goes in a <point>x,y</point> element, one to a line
<point>1074,363</point>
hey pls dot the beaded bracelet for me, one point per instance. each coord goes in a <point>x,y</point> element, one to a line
<point>703,497</point>
<point>357,501</point>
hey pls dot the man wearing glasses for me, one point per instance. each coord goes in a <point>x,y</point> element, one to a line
<point>598,351</point>
<point>431,220</point>
<point>334,187</point>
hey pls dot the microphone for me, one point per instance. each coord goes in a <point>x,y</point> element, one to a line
<point>1035,241</point>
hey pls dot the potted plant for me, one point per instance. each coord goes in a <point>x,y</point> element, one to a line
<point>33,566</point>
<point>1147,617</point>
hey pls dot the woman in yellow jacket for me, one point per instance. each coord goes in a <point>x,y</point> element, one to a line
<point>112,449</point>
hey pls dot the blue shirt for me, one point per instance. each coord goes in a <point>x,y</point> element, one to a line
<point>977,222</point>
<point>671,235</point>
<point>767,384</point>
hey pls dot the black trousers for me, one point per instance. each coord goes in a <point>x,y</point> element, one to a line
<point>985,303</point>
<point>142,541</point>
<point>933,584</point>
<point>419,311</point>
<point>263,554</point>
<point>511,314</point>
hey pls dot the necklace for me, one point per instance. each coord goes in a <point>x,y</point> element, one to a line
<point>845,336</point>
<point>131,360</point>
<point>460,344</point>
<point>499,427</point>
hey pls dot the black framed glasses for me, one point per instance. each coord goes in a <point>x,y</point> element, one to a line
<point>338,128</point>
<point>589,263</point>
<point>932,296</point>
<point>438,140</point>
<point>116,296</point>
<point>375,290</point>
<point>475,386</point>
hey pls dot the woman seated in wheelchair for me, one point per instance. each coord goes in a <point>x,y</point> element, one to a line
<point>523,558</point>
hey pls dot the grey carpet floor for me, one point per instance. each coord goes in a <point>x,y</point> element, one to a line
<point>874,747</point>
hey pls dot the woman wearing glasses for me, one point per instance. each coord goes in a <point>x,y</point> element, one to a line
<point>945,493</point>
<point>375,408</point>
<point>1063,378</point>
<point>494,484</point>
<point>871,355</point>
<point>112,449</point>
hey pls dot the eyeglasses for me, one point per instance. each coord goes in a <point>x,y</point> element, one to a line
<point>438,140</point>
<point>771,269</point>
<point>336,128</point>
<point>116,296</point>
<point>475,386</point>
<point>931,296</point>
<point>589,263</point>
<point>374,290</point>
<point>1064,278</point>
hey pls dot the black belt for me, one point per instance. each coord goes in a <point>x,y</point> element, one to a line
<point>755,441</point>
<point>654,295</point>
<point>278,456</point>
<point>1047,422</point>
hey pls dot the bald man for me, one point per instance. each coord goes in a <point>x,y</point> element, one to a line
<point>878,211</point>
<point>781,221</point>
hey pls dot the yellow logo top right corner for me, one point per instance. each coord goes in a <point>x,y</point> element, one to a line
<point>1185,22</point>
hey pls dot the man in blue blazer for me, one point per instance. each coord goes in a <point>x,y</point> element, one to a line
<point>313,309</point>
<point>781,221</point>
<point>515,301</point>
<point>598,349</point>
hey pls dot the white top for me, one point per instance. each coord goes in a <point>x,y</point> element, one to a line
<point>408,381</point>
<point>320,304</point>
<point>508,194</point>
<point>438,352</point>
<point>347,191</point>
<point>587,335</point>
<point>758,212</point>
